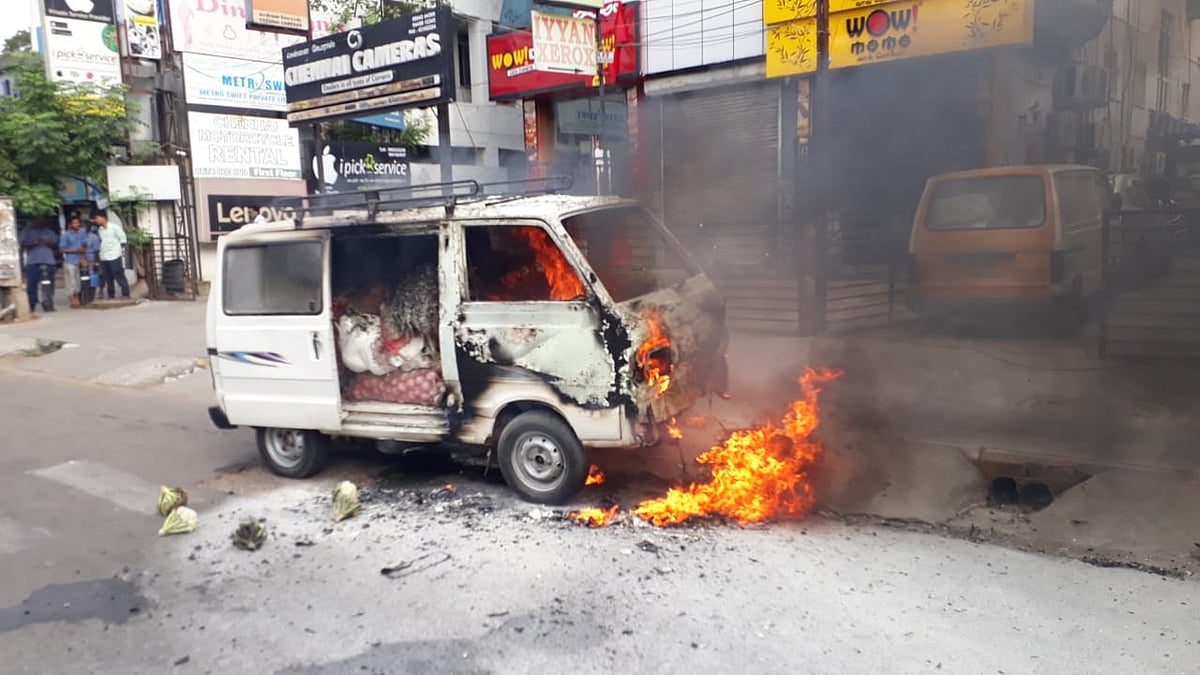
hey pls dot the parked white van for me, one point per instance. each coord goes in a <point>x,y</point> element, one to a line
<point>505,317</point>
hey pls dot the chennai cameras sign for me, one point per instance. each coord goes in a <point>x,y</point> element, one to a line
<point>406,62</point>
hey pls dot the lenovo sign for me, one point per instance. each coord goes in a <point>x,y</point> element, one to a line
<point>513,71</point>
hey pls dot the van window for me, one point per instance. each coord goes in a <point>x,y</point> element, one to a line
<point>1080,198</point>
<point>273,279</point>
<point>518,263</point>
<point>987,203</point>
<point>628,251</point>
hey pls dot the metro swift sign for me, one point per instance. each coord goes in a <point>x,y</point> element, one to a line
<point>513,60</point>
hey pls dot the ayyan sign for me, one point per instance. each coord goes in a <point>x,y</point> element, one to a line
<point>233,83</point>
<point>404,62</point>
<point>362,166</point>
<point>237,146</point>
<point>564,44</point>
<point>82,52</point>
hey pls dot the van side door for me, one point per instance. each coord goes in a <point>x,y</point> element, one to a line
<point>274,359</point>
<point>1078,241</point>
<point>528,326</point>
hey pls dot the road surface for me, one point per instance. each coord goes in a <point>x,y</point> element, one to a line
<point>478,582</point>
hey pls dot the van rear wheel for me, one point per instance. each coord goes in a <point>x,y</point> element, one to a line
<point>293,453</point>
<point>541,458</point>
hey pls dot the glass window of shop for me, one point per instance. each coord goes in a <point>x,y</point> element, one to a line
<point>592,142</point>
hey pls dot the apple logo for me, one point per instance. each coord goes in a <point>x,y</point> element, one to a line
<point>82,6</point>
<point>329,163</point>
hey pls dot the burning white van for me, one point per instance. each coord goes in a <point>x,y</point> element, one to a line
<point>532,325</point>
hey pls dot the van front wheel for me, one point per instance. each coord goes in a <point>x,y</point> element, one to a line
<point>541,458</point>
<point>293,453</point>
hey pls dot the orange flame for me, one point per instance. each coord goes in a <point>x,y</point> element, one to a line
<point>757,474</point>
<point>594,517</point>
<point>654,364</point>
<point>561,278</point>
<point>673,430</point>
<point>595,476</point>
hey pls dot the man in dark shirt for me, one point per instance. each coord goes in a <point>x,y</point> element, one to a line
<point>39,242</point>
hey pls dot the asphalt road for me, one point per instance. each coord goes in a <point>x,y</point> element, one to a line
<point>477,582</point>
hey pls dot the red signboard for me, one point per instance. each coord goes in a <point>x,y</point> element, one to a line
<point>511,74</point>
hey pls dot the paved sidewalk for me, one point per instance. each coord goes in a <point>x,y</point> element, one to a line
<point>144,345</point>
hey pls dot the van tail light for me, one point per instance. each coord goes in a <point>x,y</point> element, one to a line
<point>913,277</point>
<point>1057,268</point>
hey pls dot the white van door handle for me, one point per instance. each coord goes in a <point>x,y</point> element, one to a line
<point>316,345</point>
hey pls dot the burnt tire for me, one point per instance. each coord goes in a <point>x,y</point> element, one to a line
<point>293,453</point>
<point>541,459</point>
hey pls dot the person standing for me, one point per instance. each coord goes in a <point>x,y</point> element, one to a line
<point>39,242</point>
<point>74,246</point>
<point>112,242</point>
<point>260,215</point>
<point>93,260</point>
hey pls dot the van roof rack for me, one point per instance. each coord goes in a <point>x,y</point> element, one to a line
<point>423,195</point>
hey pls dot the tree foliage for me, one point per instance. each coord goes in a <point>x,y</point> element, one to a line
<point>18,42</point>
<point>367,12</point>
<point>51,131</point>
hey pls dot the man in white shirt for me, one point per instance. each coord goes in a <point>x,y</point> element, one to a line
<point>112,242</point>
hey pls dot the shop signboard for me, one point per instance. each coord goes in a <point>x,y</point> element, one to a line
<point>83,10</point>
<point>218,28</point>
<point>361,166</point>
<point>875,31</point>
<point>10,250</point>
<point>564,44</point>
<point>281,16</point>
<point>233,83</point>
<point>82,52</point>
<point>407,62</point>
<point>227,213</point>
<point>583,116</point>
<point>140,18</point>
<point>513,60</point>
<point>239,146</point>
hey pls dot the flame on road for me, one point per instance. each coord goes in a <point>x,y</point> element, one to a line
<point>757,474</point>
<point>595,476</point>
<point>594,517</point>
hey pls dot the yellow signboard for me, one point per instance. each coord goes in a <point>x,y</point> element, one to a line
<point>792,48</point>
<point>845,5</point>
<point>782,11</point>
<point>911,28</point>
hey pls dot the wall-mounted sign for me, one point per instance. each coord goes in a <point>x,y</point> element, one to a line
<point>83,52</point>
<point>233,83</point>
<point>361,166</point>
<point>140,18</point>
<point>282,16</point>
<point>84,10</point>
<point>10,255</point>
<point>238,146</point>
<point>874,31</point>
<point>218,28</point>
<point>512,59</point>
<point>227,213</point>
<point>402,63</point>
<point>564,44</point>
<point>903,30</point>
<point>583,116</point>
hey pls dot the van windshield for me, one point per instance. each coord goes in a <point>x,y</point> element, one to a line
<point>629,252</point>
<point>987,203</point>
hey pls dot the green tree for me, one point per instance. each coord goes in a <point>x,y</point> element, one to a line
<point>367,12</point>
<point>52,131</point>
<point>18,42</point>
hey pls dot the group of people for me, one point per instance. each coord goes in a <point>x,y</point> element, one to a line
<point>97,248</point>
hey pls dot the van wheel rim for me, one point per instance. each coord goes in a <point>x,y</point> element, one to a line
<point>286,447</point>
<point>539,461</point>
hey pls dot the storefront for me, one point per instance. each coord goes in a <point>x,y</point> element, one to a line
<point>569,127</point>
